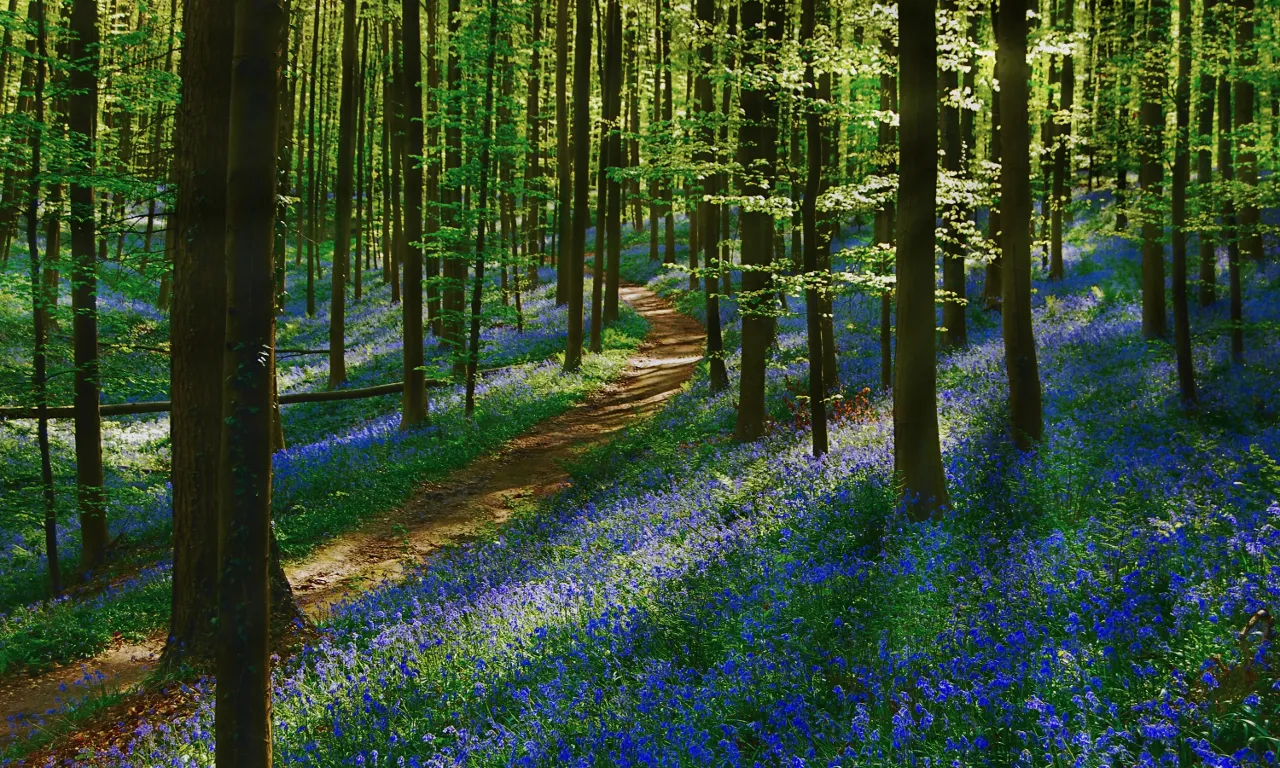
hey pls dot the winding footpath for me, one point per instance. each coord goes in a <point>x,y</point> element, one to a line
<point>474,498</point>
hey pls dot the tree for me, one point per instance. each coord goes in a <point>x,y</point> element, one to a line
<point>581,159</point>
<point>342,201</point>
<point>243,705</point>
<point>1151,175</point>
<point>477,290</point>
<point>1181,169</point>
<point>564,177</point>
<point>1250,236</point>
<point>954,326</point>
<point>812,298</point>
<point>1207,293</point>
<point>708,212</point>
<point>1062,148</point>
<point>1230,230</point>
<point>415,392</point>
<point>758,138</point>
<point>39,312</point>
<point>917,452</point>
<point>84,288</point>
<point>1025,417</point>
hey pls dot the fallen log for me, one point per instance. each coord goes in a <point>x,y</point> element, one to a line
<point>163,406</point>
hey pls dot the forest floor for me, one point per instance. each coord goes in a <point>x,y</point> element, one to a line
<point>442,513</point>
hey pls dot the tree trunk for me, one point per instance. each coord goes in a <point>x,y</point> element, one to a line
<point>533,169</point>
<point>482,226</point>
<point>1207,291</point>
<point>415,402</point>
<point>39,312</point>
<point>581,182</point>
<point>1151,177</point>
<point>567,229</point>
<point>1250,236</point>
<point>359,136</point>
<point>1062,178</point>
<point>708,212</point>
<point>954,333</point>
<point>758,138</point>
<point>342,200</point>
<point>618,157</point>
<point>1230,231</point>
<point>243,705</point>
<point>813,182</point>
<point>1012,72</point>
<point>917,453</point>
<point>84,290</point>
<point>1181,169</point>
<point>455,265</point>
<point>886,218</point>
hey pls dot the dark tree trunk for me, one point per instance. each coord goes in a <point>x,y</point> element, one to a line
<point>415,397</point>
<point>1230,231</point>
<point>357,265</point>
<point>954,332</point>
<point>1250,236</point>
<point>1012,72</point>
<point>708,213</point>
<point>1062,178</point>
<point>993,284</point>
<point>886,218</point>
<point>243,706</point>
<point>1207,291</point>
<point>581,182</point>
<point>917,452</point>
<point>1151,177</point>
<point>313,196</point>
<point>482,227</point>
<point>618,158</point>
<point>564,179</point>
<point>84,289</point>
<point>433,171</point>
<point>813,185</point>
<point>668,101</point>
<point>39,310</point>
<point>1181,169</point>
<point>758,139</point>
<point>533,168</point>
<point>342,200</point>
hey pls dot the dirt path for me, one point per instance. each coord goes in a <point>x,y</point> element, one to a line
<point>479,495</point>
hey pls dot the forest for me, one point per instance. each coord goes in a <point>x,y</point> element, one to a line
<point>425,383</point>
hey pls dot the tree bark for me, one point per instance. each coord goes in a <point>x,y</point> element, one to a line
<point>582,159</point>
<point>758,138</point>
<point>84,289</point>
<point>1012,72</point>
<point>1062,177</point>
<point>813,185</point>
<point>564,250</point>
<point>1250,236</point>
<point>1207,290</point>
<point>482,227</point>
<point>955,332</point>
<point>1151,176</point>
<point>1181,169</point>
<point>243,704</point>
<point>1230,230</point>
<point>342,200</point>
<point>415,402</point>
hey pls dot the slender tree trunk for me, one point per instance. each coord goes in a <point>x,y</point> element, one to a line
<point>608,83</point>
<point>1151,149</point>
<point>39,311</point>
<point>567,230</point>
<point>955,332</point>
<point>758,137</point>
<point>708,212</point>
<point>482,226</point>
<point>455,265</point>
<point>534,185</point>
<point>813,182</point>
<point>1230,230</point>
<point>342,200</point>
<point>655,185</point>
<point>433,172</point>
<point>582,148</point>
<point>415,392</point>
<point>84,290</point>
<point>617,157</point>
<point>1207,291</point>
<point>1062,177</point>
<point>886,216</point>
<point>1250,236</point>
<point>993,283</point>
<point>313,195</point>
<point>668,101</point>
<point>358,136</point>
<point>1012,72</point>
<point>1181,169</point>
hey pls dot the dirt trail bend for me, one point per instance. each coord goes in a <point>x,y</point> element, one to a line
<point>474,497</point>
<point>483,492</point>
